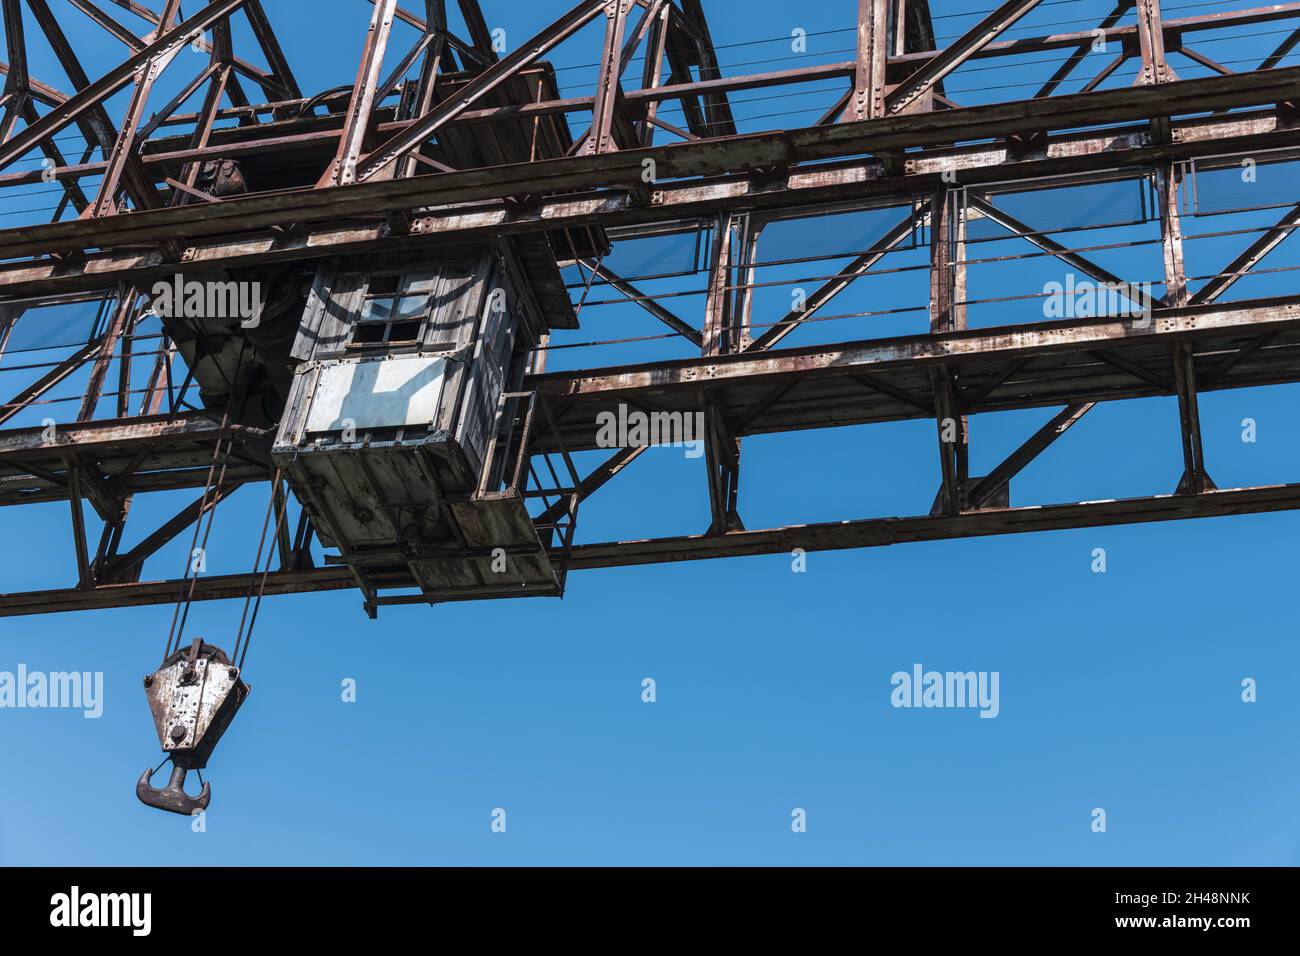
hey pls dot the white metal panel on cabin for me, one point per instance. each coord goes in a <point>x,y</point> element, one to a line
<point>377,393</point>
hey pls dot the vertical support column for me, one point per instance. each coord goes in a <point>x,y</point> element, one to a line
<point>945,213</point>
<point>722,459</point>
<point>652,73</point>
<point>716,108</point>
<point>283,546</point>
<point>721,448</point>
<point>1151,40</point>
<point>1168,183</point>
<point>607,85</point>
<point>112,509</point>
<point>1195,480</point>
<point>360,107</point>
<point>950,435</point>
<point>744,300</point>
<point>16,82</point>
<point>85,579</point>
<point>957,199</point>
<point>1155,70</point>
<point>873,49</point>
<point>898,29</point>
<point>717,310</point>
<point>948,314</point>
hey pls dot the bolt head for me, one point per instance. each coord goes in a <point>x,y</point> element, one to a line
<point>178,733</point>
<point>148,680</point>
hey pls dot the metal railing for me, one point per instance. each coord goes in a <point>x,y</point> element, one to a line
<point>510,470</point>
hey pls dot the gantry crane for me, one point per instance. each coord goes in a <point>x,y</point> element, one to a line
<point>414,239</point>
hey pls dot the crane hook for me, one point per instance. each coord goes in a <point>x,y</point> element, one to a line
<point>173,797</point>
<point>192,697</point>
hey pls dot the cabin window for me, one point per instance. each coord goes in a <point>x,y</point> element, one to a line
<point>395,311</point>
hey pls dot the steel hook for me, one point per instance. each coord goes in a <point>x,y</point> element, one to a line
<point>173,797</point>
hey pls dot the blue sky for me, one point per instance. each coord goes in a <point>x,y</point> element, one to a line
<point>1118,690</point>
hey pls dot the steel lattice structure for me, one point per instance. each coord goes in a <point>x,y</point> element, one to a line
<point>460,142</point>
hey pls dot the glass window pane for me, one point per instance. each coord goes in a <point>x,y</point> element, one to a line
<point>377,310</point>
<point>412,307</point>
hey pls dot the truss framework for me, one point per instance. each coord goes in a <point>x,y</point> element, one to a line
<point>426,155</point>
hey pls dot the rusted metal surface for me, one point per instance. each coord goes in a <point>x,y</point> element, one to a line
<point>193,697</point>
<point>465,147</point>
<point>830,536</point>
<point>690,159</point>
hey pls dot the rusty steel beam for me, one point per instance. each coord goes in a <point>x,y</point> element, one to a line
<point>911,91</point>
<point>717,309</point>
<point>365,92</point>
<point>891,240</point>
<point>923,351</point>
<point>85,579</point>
<point>1176,27</point>
<point>717,109</point>
<point>678,325</point>
<point>653,93</point>
<point>1249,258</point>
<point>270,85</point>
<point>119,324</point>
<point>686,379</point>
<point>93,95</point>
<point>831,536</point>
<point>1049,245</point>
<point>29,393</point>
<point>1151,41</point>
<point>1195,480</point>
<point>862,179</point>
<point>599,477</point>
<point>127,566</point>
<point>41,92</point>
<point>123,152</point>
<point>763,150</point>
<point>171,451</point>
<point>99,128</point>
<point>110,24</point>
<point>281,72</point>
<point>490,79</point>
<point>206,588</point>
<point>613,60</point>
<point>1079,55</point>
<point>1172,29</point>
<point>880,532</point>
<point>652,70</point>
<point>19,100</point>
<point>870,68</point>
<point>997,479</point>
<point>885,151</point>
